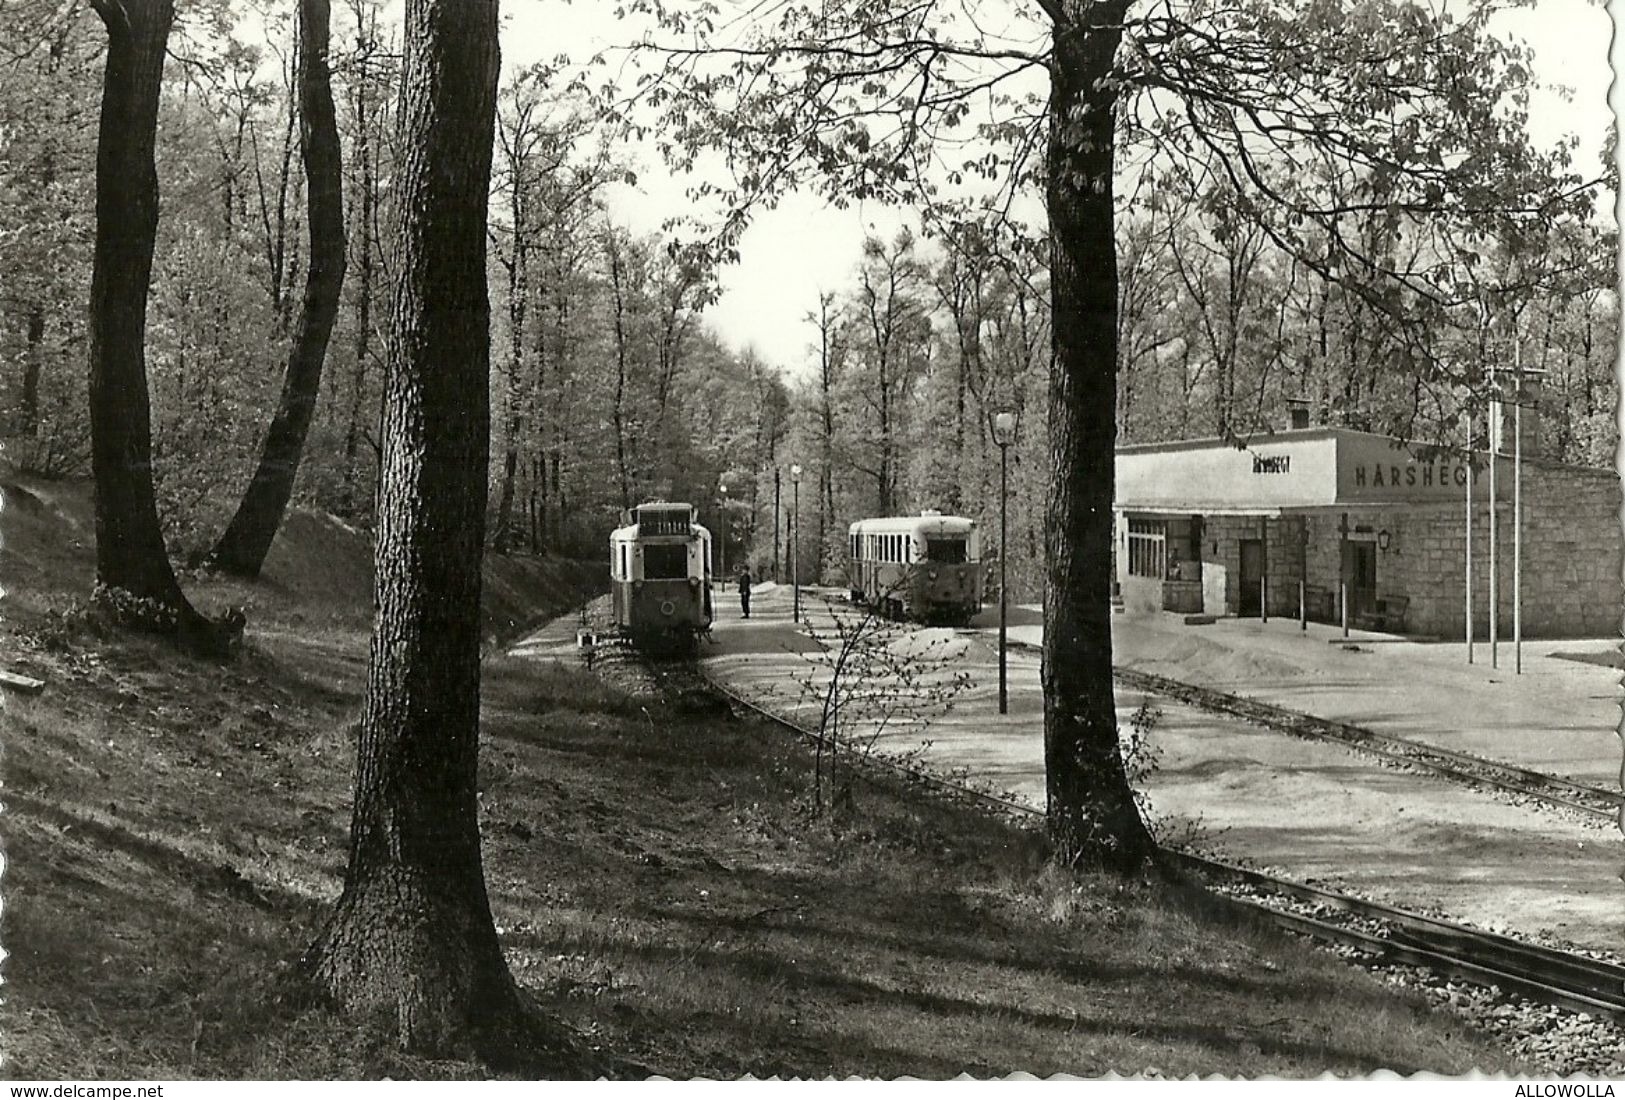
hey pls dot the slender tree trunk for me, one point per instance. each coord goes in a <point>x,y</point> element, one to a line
<point>883,476</point>
<point>364,281</point>
<point>247,539</point>
<point>961,379</point>
<point>412,935</point>
<point>514,422</point>
<point>33,364</point>
<point>616,271</point>
<point>134,577</point>
<point>1092,814</point>
<point>826,413</point>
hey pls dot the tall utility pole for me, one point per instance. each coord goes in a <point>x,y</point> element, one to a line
<point>1495,450</point>
<point>777,576</point>
<point>1469,554</point>
<point>1517,502</point>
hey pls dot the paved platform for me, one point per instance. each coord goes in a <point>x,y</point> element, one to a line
<point>1560,715</point>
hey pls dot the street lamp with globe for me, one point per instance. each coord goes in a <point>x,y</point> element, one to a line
<point>722,530</point>
<point>795,543</point>
<point>1004,434</point>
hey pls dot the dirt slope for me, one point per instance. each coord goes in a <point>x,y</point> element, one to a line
<point>319,569</point>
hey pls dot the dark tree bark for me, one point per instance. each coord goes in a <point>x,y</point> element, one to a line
<point>33,364</point>
<point>134,578</point>
<point>247,538</point>
<point>1092,815</point>
<point>617,271</point>
<point>412,935</point>
<point>518,299</point>
<point>368,196</point>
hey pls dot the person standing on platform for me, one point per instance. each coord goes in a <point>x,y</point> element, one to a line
<point>744,589</point>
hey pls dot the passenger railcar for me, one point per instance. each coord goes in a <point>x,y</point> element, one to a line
<point>925,567</point>
<point>660,575</point>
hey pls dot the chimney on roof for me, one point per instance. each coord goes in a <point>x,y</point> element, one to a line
<point>1297,412</point>
<point>1527,393</point>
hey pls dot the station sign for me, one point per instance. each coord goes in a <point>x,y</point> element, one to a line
<point>1314,468</point>
<point>1372,468</point>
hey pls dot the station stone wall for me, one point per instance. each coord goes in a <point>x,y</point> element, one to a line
<point>1573,558</point>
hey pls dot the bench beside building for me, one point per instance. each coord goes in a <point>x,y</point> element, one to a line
<point>1206,526</point>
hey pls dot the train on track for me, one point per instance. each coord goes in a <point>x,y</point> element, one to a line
<point>926,568</point>
<point>660,576</point>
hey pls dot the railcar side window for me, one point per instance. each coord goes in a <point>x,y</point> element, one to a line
<point>666,562</point>
<point>945,551</point>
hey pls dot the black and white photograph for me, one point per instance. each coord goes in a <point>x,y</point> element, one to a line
<point>810,540</point>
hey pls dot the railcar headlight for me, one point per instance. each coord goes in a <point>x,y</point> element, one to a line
<point>637,586</point>
<point>694,582</point>
<point>667,607</point>
<point>933,574</point>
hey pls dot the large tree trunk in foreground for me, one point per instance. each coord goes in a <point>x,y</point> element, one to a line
<point>1092,814</point>
<point>247,538</point>
<point>412,936</point>
<point>134,577</point>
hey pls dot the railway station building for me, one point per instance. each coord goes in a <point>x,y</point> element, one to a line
<point>1310,517</point>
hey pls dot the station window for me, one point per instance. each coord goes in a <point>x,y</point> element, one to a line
<point>1147,548</point>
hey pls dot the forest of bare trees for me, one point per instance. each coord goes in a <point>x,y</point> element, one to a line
<point>606,381</point>
<point>307,256</point>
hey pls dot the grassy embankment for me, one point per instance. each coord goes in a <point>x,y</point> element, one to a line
<point>175,830</point>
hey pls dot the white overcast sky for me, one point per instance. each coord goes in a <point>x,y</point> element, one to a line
<point>804,247</point>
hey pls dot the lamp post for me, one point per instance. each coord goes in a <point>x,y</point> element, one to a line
<point>1004,434</point>
<point>722,532</point>
<point>795,543</point>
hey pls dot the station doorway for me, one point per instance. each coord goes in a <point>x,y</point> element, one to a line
<point>1251,602</point>
<point>1360,574</point>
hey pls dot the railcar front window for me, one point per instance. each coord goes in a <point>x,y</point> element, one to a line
<point>665,563</point>
<point>662,521</point>
<point>945,551</point>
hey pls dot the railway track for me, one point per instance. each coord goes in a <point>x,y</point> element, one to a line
<point>1380,935</point>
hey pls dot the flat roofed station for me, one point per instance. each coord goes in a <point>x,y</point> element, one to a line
<point>1220,528</point>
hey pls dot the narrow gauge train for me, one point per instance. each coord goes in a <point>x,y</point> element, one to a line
<point>925,567</point>
<point>660,576</point>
